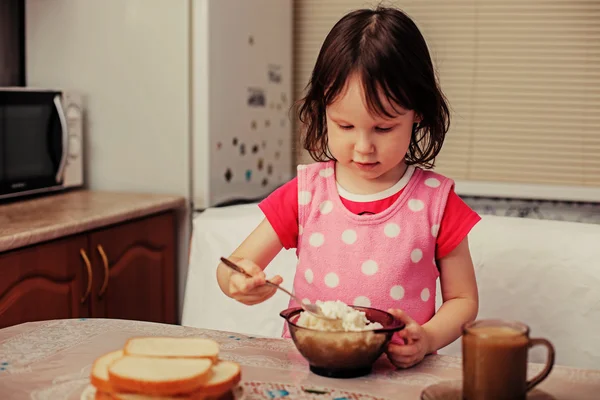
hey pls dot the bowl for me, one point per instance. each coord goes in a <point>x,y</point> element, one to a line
<point>340,354</point>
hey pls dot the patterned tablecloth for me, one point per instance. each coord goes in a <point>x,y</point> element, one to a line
<point>52,360</point>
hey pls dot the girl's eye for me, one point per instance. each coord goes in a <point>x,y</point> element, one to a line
<point>377,129</point>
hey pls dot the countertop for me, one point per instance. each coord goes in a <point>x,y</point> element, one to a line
<point>35,220</point>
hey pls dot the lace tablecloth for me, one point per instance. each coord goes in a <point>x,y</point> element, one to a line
<point>52,360</point>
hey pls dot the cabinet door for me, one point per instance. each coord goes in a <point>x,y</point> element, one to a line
<point>134,270</point>
<point>45,281</point>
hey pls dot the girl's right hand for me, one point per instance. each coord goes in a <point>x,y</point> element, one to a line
<point>253,290</point>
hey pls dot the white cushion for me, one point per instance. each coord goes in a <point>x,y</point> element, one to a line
<point>544,273</point>
<point>216,233</point>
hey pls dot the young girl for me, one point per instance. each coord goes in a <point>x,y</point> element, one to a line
<point>372,225</point>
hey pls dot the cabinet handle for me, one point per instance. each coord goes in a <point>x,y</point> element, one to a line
<point>105,262</point>
<point>88,266</point>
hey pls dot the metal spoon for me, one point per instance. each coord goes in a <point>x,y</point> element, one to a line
<point>309,308</point>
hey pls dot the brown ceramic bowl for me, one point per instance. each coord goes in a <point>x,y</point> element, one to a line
<point>340,354</point>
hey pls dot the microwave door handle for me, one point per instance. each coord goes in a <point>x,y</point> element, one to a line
<point>65,138</point>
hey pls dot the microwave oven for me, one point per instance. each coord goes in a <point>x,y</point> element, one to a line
<point>41,141</point>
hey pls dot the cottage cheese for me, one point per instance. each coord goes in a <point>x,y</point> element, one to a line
<point>349,319</point>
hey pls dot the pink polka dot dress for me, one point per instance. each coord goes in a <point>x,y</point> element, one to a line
<point>386,260</point>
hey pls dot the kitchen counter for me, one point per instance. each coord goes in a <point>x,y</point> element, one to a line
<point>40,219</point>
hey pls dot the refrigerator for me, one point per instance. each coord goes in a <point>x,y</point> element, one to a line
<point>188,97</point>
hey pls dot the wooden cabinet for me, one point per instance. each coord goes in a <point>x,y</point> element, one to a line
<point>134,275</point>
<point>125,271</point>
<point>43,282</point>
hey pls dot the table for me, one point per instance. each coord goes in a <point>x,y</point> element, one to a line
<point>52,360</point>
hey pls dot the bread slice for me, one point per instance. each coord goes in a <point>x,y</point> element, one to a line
<point>101,395</point>
<point>225,376</point>
<point>131,396</point>
<point>159,376</point>
<point>99,374</point>
<point>172,347</point>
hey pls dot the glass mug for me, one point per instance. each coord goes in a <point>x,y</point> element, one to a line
<point>495,356</point>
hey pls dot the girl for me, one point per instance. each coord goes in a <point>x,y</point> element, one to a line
<point>372,225</point>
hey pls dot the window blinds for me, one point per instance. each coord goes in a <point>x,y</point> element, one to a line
<point>523,81</point>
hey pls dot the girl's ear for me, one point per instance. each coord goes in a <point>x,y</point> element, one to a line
<point>416,122</point>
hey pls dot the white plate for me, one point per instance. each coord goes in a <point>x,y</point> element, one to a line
<point>89,393</point>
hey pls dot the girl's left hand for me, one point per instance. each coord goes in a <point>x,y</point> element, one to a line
<point>416,342</point>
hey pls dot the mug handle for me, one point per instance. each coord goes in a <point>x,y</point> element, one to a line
<point>549,362</point>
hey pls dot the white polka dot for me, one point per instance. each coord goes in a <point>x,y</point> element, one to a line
<point>397,292</point>
<point>416,255</point>
<point>349,236</point>
<point>301,167</point>
<point>332,280</point>
<point>309,275</point>
<point>435,229</point>
<point>391,230</point>
<point>304,198</point>
<point>362,301</point>
<point>327,172</point>
<point>415,205</point>
<point>425,294</point>
<point>300,229</point>
<point>306,301</point>
<point>326,207</point>
<point>369,267</point>
<point>316,239</point>
<point>432,182</point>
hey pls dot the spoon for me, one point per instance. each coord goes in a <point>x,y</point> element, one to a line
<point>309,308</point>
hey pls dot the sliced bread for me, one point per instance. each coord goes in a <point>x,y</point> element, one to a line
<point>100,395</point>
<point>191,396</point>
<point>172,347</point>
<point>99,375</point>
<point>225,376</point>
<point>159,376</point>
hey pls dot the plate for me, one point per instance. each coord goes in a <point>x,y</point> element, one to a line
<point>89,393</point>
<point>452,390</point>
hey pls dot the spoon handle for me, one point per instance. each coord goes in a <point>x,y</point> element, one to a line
<point>235,267</point>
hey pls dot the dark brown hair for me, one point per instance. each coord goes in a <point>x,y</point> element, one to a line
<point>386,49</point>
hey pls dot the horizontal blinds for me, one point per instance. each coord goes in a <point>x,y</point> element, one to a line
<point>522,78</point>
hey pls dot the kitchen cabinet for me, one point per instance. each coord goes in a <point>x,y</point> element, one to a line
<point>122,270</point>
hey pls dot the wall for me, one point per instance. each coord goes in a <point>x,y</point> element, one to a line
<point>136,130</point>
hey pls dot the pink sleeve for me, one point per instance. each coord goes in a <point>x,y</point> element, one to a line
<point>457,222</point>
<point>281,210</point>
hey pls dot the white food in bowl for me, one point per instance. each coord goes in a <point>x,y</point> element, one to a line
<point>348,319</point>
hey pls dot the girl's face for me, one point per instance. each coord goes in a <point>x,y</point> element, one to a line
<point>369,149</point>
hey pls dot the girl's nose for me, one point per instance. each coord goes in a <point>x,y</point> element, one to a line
<point>364,143</point>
